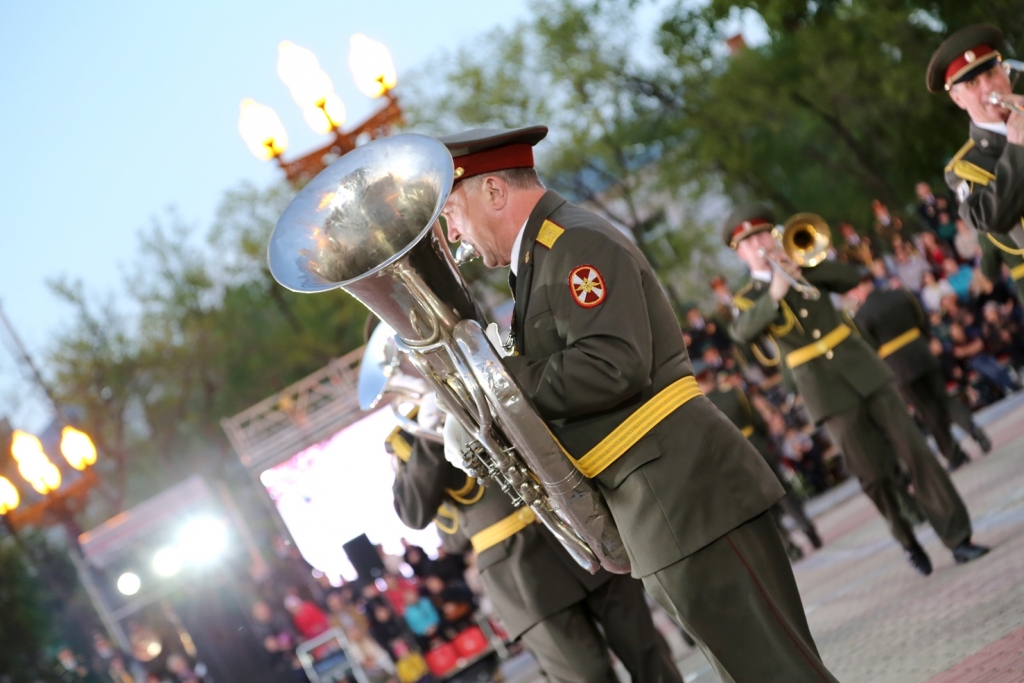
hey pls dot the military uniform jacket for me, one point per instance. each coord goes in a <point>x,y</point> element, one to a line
<point>997,250</point>
<point>836,381</point>
<point>528,576</point>
<point>884,316</point>
<point>735,405</point>
<point>596,338</point>
<point>987,175</point>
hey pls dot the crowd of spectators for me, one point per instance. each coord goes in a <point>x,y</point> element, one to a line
<point>977,325</point>
<point>391,624</point>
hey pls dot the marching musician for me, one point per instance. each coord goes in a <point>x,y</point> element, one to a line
<point>597,348</point>
<point>987,174</point>
<point>843,383</point>
<point>893,322</point>
<point>566,616</point>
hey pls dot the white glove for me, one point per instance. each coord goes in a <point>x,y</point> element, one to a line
<point>455,441</point>
<point>494,336</point>
<point>429,416</point>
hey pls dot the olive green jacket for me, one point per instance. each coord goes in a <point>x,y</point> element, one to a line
<point>528,576</point>
<point>836,381</point>
<point>735,405</point>
<point>884,316</point>
<point>589,360</point>
<point>987,175</point>
<point>997,250</point>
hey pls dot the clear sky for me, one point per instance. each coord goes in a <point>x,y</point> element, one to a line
<point>112,111</point>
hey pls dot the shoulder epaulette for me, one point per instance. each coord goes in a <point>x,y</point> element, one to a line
<point>549,233</point>
<point>397,444</point>
<point>961,153</point>
<point>742,303</point>
<point>965,170</point>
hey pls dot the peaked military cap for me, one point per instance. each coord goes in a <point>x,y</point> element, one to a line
<point>964,55</point>
<point>747,220</point>
<point>487,150</point>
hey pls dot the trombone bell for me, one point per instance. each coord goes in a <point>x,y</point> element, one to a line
<point>806,239</point>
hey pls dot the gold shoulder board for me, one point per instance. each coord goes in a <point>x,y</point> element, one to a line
<point>549,233</point>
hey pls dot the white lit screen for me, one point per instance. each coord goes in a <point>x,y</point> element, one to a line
<point>338,489</point>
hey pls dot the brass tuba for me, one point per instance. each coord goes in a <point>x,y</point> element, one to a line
<point>369,224</point>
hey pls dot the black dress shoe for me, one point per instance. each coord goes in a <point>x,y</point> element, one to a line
<point>919,559</point>
<point>814,538</point>
<point>981,437</point>
<point>967,551</point>
<point>957,463</point>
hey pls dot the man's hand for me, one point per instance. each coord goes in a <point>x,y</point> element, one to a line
<point>455,441</point>
<point>1015,124</point>
<point>780,283</point>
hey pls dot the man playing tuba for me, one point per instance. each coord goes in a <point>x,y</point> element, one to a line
<point>844,384</point>
<point>599,352</point>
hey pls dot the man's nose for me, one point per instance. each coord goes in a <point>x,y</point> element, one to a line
<point>453,232</point>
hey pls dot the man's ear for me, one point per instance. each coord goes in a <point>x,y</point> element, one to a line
<point>496,191</point>
<point>957,96</point>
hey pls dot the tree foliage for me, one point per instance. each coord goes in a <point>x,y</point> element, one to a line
<point>825,113</point>
<point>209,333</point>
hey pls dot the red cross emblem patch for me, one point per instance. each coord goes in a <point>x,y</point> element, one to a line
<point>587,286</point>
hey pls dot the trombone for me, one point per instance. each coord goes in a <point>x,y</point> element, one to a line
<point>1000,99</point>
<point>805,240</point>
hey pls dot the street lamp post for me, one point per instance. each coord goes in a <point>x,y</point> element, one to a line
<point>312,89</point>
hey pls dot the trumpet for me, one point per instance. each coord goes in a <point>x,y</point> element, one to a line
<point>1003,101</point>
<point>804,240</point>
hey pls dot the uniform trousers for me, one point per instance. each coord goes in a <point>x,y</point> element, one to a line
<point>570,648</point>
<point>879,426</point>
<point>938,411</point>
<point>738,599</point>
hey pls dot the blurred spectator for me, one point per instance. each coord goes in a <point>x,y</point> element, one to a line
<point>392,563</point>
<point>946,228</point>
<point>342,612</point>
<point>855,249</point>
<point>933,291</point>
<point>374,660</point>
<point>384,628</point>
<point>422,618</point>
<point>966,242</point>
<point>182,672</point>
<point>935,253</point>
<point>909,265</point>
<point>799,448</point>
<point>723,300</point>
<point>416,558</point>
<point>887,226</point>
<point>969,350</point>
<point>457,607</point>
<point>309,619</point>
<point>927,208</point>
<point>449,566</point>
<point>959,278</point>
<point>107,661</point>
<point>1002,336</point>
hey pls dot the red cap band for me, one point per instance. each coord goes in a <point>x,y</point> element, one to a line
<point>519,155</point>
<point>747,226</point>
<point>967,61</point>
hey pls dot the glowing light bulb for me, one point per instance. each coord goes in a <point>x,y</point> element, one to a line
<point>371,65</point>
<point>261,129</point>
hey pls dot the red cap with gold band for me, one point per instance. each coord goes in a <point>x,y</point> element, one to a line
<point>488,150</point>
<point>963,56</point>
<point>747,220</point>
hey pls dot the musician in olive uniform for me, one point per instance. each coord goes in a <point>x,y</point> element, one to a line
<point>844,384</point>
<point>987,174</point>
<point>997,251</point>
<point>735,405</point>
<point>538,590</point>
<point>893,322</point>
<point>600,353</point>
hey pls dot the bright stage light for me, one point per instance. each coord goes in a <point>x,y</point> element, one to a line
<point>202,540</point>
<point>167,561</point>
<point>129,583</point>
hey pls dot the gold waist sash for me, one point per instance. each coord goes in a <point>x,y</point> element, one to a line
<point>893,345</point>
<point>818,348</point>
<point>636,427</point>
<point>499,531</point>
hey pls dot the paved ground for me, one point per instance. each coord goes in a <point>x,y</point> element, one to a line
<point>877,620</point>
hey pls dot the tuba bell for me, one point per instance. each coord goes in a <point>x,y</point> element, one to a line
<point>368,224</point>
